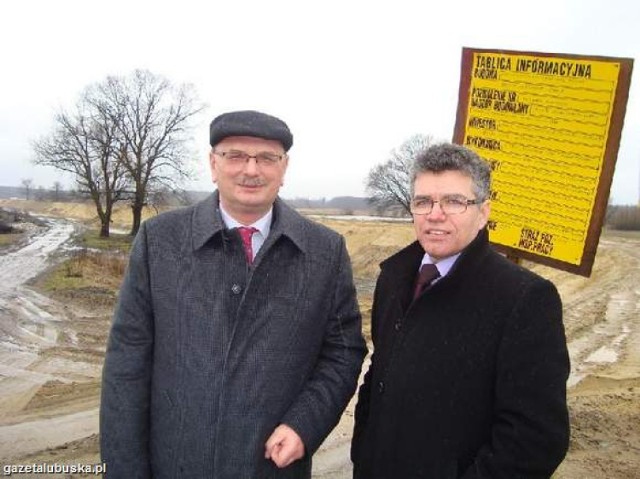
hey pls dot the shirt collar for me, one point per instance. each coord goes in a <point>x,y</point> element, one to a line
<point>263,225</point>
<point>207,222</point>
<point>444,265</point>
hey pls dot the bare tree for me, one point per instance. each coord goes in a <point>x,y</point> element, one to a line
<point>160,198</point>
<point>153,118</point>
<point>388,184</point>
<point>128,137</point>
<point>27,184</point>
<point>86,143</point>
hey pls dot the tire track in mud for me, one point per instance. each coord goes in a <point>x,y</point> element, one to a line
<point>602,319</point>
<point>607,310</point>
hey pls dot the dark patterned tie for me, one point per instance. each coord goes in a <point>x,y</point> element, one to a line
<point>428,272</point>
<point>246,233</point>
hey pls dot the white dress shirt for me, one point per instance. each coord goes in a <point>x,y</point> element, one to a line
<point>263,225</point>
<point>444,265</point>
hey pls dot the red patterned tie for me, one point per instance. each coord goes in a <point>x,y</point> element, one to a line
<point>246,233</point>
<point>428,272</point>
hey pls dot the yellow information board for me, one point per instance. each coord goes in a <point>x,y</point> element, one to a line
<point>550,127</point>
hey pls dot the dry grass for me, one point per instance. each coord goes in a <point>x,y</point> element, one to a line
<point>8,239</point>
<point>115,242</point>
<point>89,269</point>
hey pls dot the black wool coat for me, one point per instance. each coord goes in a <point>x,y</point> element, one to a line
<point>468,381</point>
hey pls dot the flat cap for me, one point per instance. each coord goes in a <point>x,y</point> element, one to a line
<point>250,123</point>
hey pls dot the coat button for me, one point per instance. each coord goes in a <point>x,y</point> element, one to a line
<point>397,326</point>
<point>381,387</point>
<point>236,289</point>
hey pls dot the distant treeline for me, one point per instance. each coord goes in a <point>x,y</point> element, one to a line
<point>345,204</point>
<point>617,217</point>
<point>623,218</point>
<point>352,203</point>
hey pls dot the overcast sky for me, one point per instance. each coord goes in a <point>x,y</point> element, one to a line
<point>353,79</point>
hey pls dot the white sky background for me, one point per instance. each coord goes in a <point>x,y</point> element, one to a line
<point>353,79</point>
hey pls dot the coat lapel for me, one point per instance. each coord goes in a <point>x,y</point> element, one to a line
<point>401,270</point>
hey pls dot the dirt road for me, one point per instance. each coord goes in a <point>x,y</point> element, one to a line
<point>51,357</point>
<point>43,363</point>
<point>602,319</point>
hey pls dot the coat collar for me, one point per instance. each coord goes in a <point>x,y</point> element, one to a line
<point>402,267</point>
<point>405,263</point>
<point>207,222</point>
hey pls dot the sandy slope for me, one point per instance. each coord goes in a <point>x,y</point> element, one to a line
<point>51,356</point>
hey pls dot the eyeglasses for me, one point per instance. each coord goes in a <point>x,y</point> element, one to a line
<point>239,157</point>
<point>450,205</point>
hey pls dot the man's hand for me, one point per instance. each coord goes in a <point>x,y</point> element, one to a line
<point>284,446</point>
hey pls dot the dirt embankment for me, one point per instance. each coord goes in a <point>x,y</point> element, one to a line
<point>52,357</point>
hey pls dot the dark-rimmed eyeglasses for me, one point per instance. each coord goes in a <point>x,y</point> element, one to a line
<point>239,157</point>
<point>450,205</point>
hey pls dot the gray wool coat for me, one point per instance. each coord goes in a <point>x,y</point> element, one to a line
<point>207,356</point>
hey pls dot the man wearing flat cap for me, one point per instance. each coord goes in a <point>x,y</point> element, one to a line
<point>236,341</point>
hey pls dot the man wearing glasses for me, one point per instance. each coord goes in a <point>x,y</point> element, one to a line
<point>236,342</point>
<point>469,369</point>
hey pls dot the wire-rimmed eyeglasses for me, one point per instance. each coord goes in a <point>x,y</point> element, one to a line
<point>239,157</point>
<point>450,205</point>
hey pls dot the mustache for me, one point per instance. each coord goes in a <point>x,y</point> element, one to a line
<point>251,182</point>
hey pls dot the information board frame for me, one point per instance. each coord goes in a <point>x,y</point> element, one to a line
<point>489,64</point>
